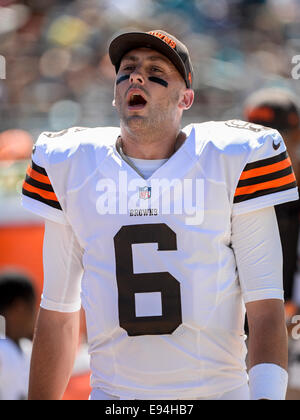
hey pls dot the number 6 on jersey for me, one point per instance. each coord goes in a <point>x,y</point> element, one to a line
<point>129,283</point>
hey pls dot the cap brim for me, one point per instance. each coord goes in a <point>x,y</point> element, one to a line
<point>132,40</point>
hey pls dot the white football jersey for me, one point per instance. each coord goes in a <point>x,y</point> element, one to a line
<point>163,302</point>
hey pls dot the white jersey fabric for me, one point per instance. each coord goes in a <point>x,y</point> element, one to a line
<point>14,370</point>
<point>160,288</point>
<point>260,259</point>
<point>238,394</point>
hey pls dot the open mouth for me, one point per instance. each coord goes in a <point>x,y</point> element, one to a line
<point>136,101</point>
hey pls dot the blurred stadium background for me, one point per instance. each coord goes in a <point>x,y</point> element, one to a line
<point>58,75</point>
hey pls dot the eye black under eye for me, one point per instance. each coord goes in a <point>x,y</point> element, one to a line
<point>122,78</point>
<point>159,80</point>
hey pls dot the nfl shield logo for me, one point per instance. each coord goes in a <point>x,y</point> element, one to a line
<point>145,193</point>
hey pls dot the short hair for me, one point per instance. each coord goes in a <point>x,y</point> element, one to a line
<point>15,286</point>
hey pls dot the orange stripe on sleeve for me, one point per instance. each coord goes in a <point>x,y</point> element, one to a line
<point>45,194</point>
<point>265,170</point>
<point>266,185</point>
<point>38,177</point>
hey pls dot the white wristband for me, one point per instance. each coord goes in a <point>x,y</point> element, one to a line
<point>268,381</point>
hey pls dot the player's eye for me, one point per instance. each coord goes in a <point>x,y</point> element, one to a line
<point>156,69</point>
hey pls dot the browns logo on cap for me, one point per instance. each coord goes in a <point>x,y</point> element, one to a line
<point>158,40</point>
<point>164,38</point>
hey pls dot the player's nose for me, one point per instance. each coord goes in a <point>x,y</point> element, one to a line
<point>137,77</point>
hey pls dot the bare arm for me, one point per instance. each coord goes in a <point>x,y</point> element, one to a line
<point>57,329</point>
<point>53,354</point>
<point>267,333</point>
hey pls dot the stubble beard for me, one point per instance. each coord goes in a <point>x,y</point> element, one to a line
<point>141,123</point>
<point>154,122</point>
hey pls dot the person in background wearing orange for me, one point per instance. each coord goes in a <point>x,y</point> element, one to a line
<point>278,108</point>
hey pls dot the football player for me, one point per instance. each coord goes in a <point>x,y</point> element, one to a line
<point>279,109</point>
<point>164,235</point>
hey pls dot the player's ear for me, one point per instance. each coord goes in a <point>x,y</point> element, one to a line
<point>187,99</point>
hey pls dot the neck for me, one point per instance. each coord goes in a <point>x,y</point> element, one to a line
<point>151,146</point>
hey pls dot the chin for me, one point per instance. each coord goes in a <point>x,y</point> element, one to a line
<point>136,122</point>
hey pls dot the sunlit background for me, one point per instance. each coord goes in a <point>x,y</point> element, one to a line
<point>59,75</point>
<point>53,55</point>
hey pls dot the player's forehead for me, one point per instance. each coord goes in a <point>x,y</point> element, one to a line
<point>146,54</point>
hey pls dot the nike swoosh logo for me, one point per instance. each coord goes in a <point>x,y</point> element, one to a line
<point>276,146</point>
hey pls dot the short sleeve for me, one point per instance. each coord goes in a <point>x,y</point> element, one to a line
<point>63,269</point>
<point>38,194</point>
<point>267,178</point>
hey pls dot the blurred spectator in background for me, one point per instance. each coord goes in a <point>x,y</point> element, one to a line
<point>278,108</point>
<point>15,145</point>
<point>58,74</point>
<point>17,307</point>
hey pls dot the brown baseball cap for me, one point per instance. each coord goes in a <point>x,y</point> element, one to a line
<point>273,107</point>
<point>158,40</point>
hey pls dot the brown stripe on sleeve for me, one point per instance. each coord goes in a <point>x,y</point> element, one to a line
<point>37,186</point>
<point>265,177</point>
<point>37,176</point>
